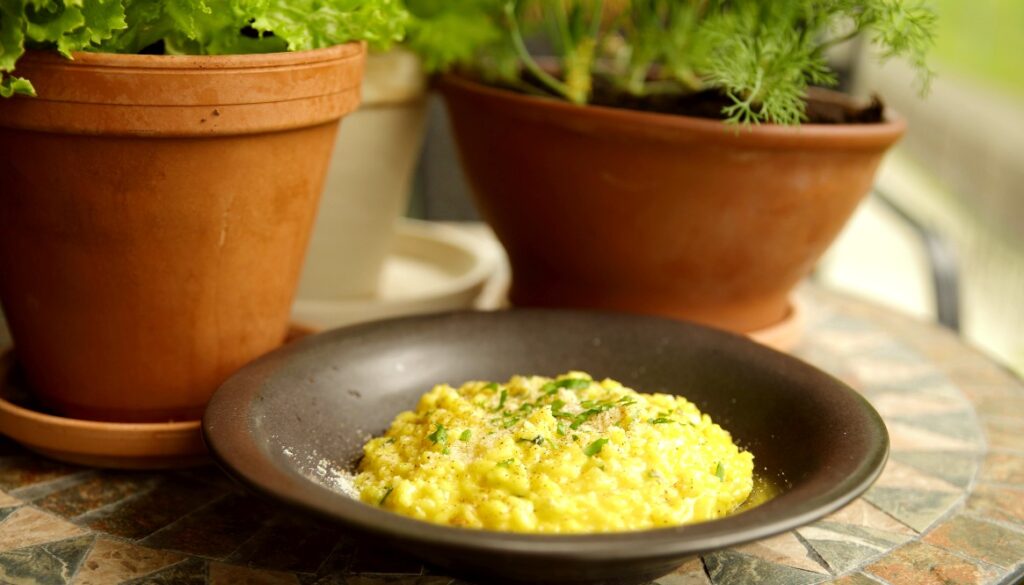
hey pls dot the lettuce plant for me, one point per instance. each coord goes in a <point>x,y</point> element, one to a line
<point>761,55</point>
<point>195,27</point>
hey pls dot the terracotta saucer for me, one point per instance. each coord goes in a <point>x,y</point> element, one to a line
<point>786,334</point>
<point>94,443</point>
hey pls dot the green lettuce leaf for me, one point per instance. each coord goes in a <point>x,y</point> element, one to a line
<point>10,85</point>
<point>197,27</point>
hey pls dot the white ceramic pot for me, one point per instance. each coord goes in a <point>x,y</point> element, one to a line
<point>369,180</point>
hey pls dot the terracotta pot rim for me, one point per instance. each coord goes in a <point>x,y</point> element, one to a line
<point>642,123</point>
<point>176,96</point>
<point>179,62</point>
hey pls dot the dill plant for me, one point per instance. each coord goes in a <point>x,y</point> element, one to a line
<point>762,55</point>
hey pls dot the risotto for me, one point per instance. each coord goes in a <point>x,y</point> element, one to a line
<point>562,455</point>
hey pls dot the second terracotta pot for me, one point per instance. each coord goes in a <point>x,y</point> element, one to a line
<point>634,211</point>
<point>154,215</point>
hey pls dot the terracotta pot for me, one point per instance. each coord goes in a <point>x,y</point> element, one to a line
<point>153,219</point>
<point>684,217</point>
<point>368,181</point>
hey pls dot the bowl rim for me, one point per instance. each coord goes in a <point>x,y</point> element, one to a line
<point>225,432</point>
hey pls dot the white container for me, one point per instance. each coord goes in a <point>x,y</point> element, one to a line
<point>368,182</point>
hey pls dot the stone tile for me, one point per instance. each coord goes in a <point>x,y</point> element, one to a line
<point>1004,433</point>
<point>52,563</point>
<point>997,503</point>
<point>27,527</point>
<point>731,568</point>
<point>1003,468</point>
<point>904,437</point>
<point>377,559</point>
<point>956,468</point>
<point>784,549</point>
<point>831,320</point>
<point>378,580</point>
<point>216,530</point>
<point>1005,406</point>
<point>958,425</point>
<point>690,573</point>
<point>980,540</point>
<point>897,475</point>
<point>189,572</point>
<point>340,559</point>
<point>435,580</point>
<point>114,561</point>
<point>207,474</point>
<point>290,544</point>
<point>7,500</point>
<point>863,514</point>
<point>895,405</point>
<point>94,493</point>
<point>19,473</point>
<point>979,370</point>
<point>922,564</point>
<point>850,341</point>
<point>855,579</point>
<point>915,508</point>
<point>5,512</point>
<point>881,372</point>
<point>225,574</point>
<point>144,514</point>
<point>976,392</point>
<point>41,490</point>
<point>844,547</point>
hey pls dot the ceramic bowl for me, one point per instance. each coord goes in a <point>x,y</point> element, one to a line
<point>283,423</point>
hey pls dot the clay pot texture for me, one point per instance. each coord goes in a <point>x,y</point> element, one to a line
<point>683,217</point>
<point>154,215</point>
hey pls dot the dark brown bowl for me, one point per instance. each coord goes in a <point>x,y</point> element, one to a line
<point>273,422</point>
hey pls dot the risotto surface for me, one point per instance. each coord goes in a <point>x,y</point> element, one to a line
<point>562,455</point>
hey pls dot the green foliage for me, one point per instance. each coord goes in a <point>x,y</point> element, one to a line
<point>443,32</point>
<point>199,27</point>
<point>762,54</point>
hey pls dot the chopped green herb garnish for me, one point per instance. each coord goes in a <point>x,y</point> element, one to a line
<point>560,427</point>
<point>506,462</point>
<point>446,451</point>
<point>573,383</point>
<point>466,434</point>
<point>390,440</point>
<point>385,496</point>
<point>502,399</point>
<point>509,421</point>
<point>660,420</point>
<point>720,472</point>
<point>576,438</point>
<point>538,440</point>
<point>595,447</point>
<point>556,407</point>
<point>549,389</point>
<point>491,386</point>
<point>440,435</point>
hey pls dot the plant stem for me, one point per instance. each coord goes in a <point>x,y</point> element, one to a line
<point>553,83</point>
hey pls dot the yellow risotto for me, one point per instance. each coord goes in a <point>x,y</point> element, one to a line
<point>562,455</point>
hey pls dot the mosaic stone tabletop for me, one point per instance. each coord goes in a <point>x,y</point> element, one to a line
<point>949,508</point>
